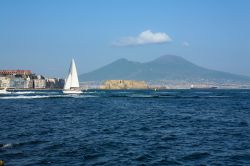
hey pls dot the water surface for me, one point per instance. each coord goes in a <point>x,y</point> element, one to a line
<point>170,127</point>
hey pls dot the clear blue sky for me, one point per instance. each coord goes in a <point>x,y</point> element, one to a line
<point>43,35</point>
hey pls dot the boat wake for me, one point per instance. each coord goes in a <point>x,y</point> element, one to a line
<point>33,92</point>
<point>45,96</point>
<point>25,92</point>
<point>24,97</point>
<point>114,94</point>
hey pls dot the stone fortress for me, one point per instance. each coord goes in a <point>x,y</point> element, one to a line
<point>124,84</point>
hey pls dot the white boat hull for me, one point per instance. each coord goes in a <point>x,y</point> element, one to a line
<point>72,92</point>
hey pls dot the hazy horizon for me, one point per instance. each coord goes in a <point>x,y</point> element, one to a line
<point>43,36</point>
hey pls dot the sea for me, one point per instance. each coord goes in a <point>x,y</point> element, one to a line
<point>125,127</point>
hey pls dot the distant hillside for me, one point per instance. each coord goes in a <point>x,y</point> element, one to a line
<point>168,67</point>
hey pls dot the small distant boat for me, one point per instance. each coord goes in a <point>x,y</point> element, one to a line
<point>71,85</point>
<point>4,91</point>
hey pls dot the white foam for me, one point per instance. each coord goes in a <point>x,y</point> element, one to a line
<point>33,92</point>
<point>124,92</point>
<point>25,92</point>
<point>7,146</point>
<point>23,97</point>
<point>218,96</point>
<point>162,92</point>
<point>89,92</point>
<point>82,96</point>
<point>46,96</point>
<point>141,96</point>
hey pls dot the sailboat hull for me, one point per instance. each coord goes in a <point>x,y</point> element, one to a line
<point>72,92</point>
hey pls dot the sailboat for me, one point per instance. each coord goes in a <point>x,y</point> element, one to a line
<point>71,85</point>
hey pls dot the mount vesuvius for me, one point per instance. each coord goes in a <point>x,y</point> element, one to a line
<point>167,67</point>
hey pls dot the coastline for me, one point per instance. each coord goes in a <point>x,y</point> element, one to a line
<point>154,89</point>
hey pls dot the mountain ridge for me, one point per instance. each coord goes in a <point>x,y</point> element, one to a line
<point>166,67</point>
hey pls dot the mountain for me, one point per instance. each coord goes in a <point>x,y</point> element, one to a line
<point>167,67</point>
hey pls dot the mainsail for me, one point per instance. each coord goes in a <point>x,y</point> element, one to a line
<point>72,79</point>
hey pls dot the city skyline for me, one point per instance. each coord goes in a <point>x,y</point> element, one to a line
<point>43,36</point>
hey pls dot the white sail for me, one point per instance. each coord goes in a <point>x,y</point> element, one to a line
<point>74,76</point>
<point>67,82</point>
<point>72,79</point>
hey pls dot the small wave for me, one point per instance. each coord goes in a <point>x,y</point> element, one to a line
<point>217,96</point>
<point>169,137</point>
<point>142,96</point>
<point>25,92</point>
<point>245,92</point>
<point>18,144</point>
<point>6,93</point>
<point>243,124</point>
<point>128,92</point>
<point>196,156</point>
<point>46,96</point>
<point>143,157</point>
<point>201,92</point>
<point>166,92</point>
<point>24,97</point>
<point>90,92</point>
<point>6,145</point>
<point>241,157</point>
<point>167,96</point>
<point>82,96</point>
<point>34,92</point>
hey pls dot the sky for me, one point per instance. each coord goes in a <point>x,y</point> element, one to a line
<point>44,35</point>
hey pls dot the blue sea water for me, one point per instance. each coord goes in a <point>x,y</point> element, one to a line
<point>170,127</point>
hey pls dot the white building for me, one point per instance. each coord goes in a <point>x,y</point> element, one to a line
<point>4,82</point>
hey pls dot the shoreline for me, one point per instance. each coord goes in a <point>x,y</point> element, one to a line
<point>154,89</point>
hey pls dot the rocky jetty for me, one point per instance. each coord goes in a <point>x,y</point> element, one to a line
<point>124,84</point>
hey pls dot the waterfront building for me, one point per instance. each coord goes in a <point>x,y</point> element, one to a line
<point>54,83</point>
<point>39,83</point>
<point>4,82</point>
<point>15,72</point>
<point>18,83</point>
<point>25,79</point>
